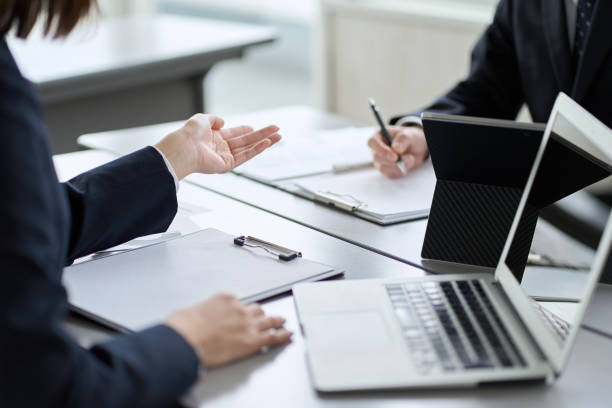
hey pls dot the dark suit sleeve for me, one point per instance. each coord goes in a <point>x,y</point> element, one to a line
<point>40,364</point>
<point>493,86</point>
<point>126,198</point>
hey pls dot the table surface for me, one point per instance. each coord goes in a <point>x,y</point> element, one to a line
<point>280,377</point>
<point>385,240</point>
<point>402,241</point>
<point>123,46</point>
<point>598,317</point>
<point>204,209</point>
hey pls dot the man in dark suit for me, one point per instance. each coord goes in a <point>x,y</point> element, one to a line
<point>533,50</point>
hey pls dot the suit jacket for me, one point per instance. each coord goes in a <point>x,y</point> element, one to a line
<point>45,225</point>
<point>524,57</point>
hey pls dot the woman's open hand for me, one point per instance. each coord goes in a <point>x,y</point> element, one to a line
<point>203,146</point>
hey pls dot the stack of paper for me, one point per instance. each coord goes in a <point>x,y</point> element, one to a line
<point>299,155</point>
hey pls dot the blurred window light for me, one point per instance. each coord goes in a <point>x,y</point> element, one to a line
<point>295,11</point>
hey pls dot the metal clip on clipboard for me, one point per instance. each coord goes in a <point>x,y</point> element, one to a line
<point>284,254</point>
<point>342,201</point>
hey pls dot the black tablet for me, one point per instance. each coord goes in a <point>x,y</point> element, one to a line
<point>481,167</point>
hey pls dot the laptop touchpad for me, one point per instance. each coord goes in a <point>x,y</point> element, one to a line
<point>348,330</point>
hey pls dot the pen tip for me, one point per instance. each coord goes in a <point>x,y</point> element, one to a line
<point>371,100</point>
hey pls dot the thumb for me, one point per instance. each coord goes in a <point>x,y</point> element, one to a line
<point>216,122</point>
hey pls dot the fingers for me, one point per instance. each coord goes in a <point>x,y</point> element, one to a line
<point>254,310</point>
<point>402,143</point>
<point>267,323</point>
<point>271,330</point>
<point>412,161</point>
<point>408,143</point>
<point>240,140</point>
<point>214,121</point>
<point>378,145</point>
<point>385,159</point>
<point>230,133</point>
<point>391,170</point>
<point>275,337</point>
<point>244,155</point>
<point>274,139</point>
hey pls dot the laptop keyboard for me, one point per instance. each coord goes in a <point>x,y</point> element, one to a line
<point>452,325</point>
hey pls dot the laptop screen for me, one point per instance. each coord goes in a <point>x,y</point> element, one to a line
<point>559,274</point>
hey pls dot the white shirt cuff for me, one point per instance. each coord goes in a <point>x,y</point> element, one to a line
<point>409,120</point>
<point>170,169</point>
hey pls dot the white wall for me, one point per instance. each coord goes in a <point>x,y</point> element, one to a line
<point>404,53</point>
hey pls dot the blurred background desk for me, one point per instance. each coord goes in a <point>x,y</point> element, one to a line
<point>128,71</point>
<point>280,378</point>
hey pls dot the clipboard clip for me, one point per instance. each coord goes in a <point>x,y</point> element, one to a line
<point>284,254</point>
<point>342,201</point>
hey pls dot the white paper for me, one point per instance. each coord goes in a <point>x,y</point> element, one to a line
<point>310,153</point>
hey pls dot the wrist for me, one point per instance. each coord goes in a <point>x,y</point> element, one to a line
<point>177,152</point>
<point>426,149</point>
<point>178,323</point>
<point>421,131</point>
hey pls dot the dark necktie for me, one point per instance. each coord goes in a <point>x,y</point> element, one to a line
<point>584,18</point>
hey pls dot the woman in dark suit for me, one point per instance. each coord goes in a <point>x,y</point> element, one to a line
<point>45,225</point>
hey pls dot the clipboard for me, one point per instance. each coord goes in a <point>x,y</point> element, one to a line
<point>369,195</point>
<point>141,287</point>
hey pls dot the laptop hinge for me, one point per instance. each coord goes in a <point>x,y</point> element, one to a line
<point>504,297</point>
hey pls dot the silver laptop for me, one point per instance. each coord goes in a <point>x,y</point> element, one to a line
<point>462,329</point>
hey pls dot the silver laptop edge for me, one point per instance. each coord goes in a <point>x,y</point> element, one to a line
<point>556,355</point>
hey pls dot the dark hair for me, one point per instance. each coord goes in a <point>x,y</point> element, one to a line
<point>60,16</point>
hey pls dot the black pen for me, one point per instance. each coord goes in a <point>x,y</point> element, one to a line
<point>383,129</point>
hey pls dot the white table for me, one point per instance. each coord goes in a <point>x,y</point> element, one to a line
<point>128,71</point>
<point>280,378</point>
<point>402,242</point>
<point>600,310</point>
